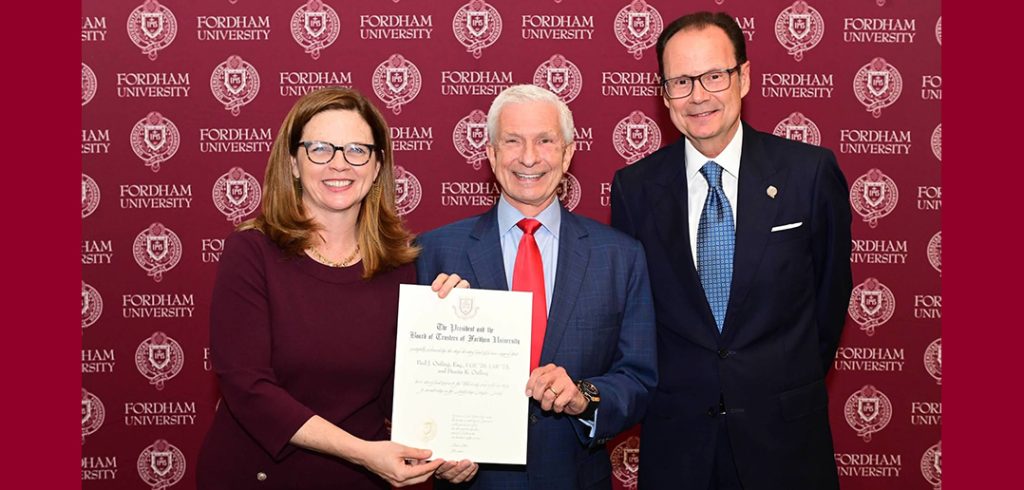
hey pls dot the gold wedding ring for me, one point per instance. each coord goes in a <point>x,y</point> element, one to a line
<point>553,391</point>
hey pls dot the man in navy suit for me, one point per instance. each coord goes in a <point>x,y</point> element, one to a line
<point>597,360</point>
<point>748,236</point>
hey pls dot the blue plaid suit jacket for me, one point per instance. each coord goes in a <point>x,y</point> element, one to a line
<point>600,328</point>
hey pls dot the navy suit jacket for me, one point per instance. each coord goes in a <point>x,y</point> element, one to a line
<point>600,328</point>
<point>788,300</point>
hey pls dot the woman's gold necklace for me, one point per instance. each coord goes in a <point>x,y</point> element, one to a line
<point>347,261</point>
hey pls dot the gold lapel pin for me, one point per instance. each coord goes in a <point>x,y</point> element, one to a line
<point>772,191</point>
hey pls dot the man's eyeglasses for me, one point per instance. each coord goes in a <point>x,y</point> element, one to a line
<point>712,81</point>
<point>322,152</point>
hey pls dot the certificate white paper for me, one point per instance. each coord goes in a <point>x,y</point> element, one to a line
<point>461,366</point>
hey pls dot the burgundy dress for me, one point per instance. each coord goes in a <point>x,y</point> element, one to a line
<point>291,338</point>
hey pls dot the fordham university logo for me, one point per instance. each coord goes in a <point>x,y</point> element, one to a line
<point>560,76</point>
<point>637,27</point>
<point>315,26</point>
<point>937,142</point>
<point>933,360</point>
<point>236,194</point>
<point>931,465</point>
<point>470,138</point>
<point>235,83</point>
<point>626,462</point>
<point>161,465</point>
<point>93,414</point>
<point>871,305</point>
<point>569,191</point>
<point>935,252</point>
<point>92,305</point>
<point>157,250</point>
<point>88,84</point>
<point>155,139</point>
<point>152,27</point>
<point>476,25</point>
<point>873,195</point>
<point>636,136</point>
<point>90,195</point>
<point>798,127</point>
<point>877,85</point>
<point>938,30</point>
<point>159,358</point>
<point>396,82</point>
<point>868,411</point>
<point>799,28</point>
<point>465,309</point>
<point>408,191</point>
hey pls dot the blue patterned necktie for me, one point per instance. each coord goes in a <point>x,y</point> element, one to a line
<point>716,239</point>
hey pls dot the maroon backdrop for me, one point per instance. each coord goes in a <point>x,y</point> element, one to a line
<point>180,102</point>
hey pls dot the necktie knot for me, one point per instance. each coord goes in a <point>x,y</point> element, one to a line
<point>713,173</point>
<point>528,225</point>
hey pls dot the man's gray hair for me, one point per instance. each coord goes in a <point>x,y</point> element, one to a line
<point>518,94</point>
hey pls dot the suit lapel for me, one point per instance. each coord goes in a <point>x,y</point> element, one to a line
<point>668,193</point>
<point>573,256</point>
<point>485,253</point>
<point>755,213</point>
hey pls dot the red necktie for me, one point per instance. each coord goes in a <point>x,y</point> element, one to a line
<point>528,275</point>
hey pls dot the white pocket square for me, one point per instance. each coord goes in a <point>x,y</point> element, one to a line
<point>786,227</point>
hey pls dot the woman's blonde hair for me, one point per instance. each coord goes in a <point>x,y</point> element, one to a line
<point>384,241</point>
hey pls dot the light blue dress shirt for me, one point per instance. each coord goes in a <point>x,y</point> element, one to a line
<point>546,236</point>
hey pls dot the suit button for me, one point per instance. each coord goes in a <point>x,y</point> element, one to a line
<point>712,412</point>
<point>723,353</point>
<point>261,476</point>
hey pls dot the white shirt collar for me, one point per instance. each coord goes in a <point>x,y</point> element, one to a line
<point>729,159</point>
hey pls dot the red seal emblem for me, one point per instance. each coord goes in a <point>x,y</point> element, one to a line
<point>560,76</point>
<point>93,414</point>
<point>396,82</point>
<point>159,358</point>
<point>935,252</point>
<point>161,465</point>
<point>152,27</point>
<point>798,127</point>
<point>868,411</point>
<point>92,305</point>
<point>315,26</point>
<point>871,305</point>
<point>477,25</point>
<point>157,250</point>
<point>799,28</point>
<point>568,191</point>
<point>933,360</point>
<point>155,139</point>
<point>931,466</point>
<point>236,194</point>
<point>937,142</point>
<point>408,191</point>
<point>90,195</point>
<point>877,85</point>
<point>235,83</point>
<point>88,84</point>
<point>637,27</point>
<point>874,195</point>
<point>636,136</point>
<point>626,462</point>
<point>470,138</point>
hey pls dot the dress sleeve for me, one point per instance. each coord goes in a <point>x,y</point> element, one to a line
<point>240,345</point>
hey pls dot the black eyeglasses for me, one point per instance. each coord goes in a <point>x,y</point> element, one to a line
<point>712,81</point>
<point>322,152</point>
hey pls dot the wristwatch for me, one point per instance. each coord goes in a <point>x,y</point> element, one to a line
<point>593,396</point>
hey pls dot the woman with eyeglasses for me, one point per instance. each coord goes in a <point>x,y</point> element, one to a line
<point>304,312</point>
